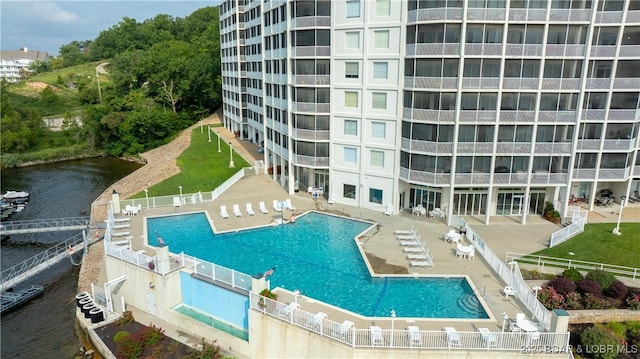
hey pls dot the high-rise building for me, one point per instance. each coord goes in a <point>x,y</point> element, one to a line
<point>480,108</point>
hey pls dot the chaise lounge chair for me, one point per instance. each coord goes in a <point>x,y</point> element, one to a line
<point>289,205</point>
<point>423,263</point>
<point>236,210</point>
<point>453,337</point>
<point>223,212</point>
<point>403,237</point>
<point>419,249</point>
<point>375,333</point>
<point>411,231</point>
<point>412,243</point>
<point>263,208</point>
<point>250,209</point>
<point>276,206</point>
<point>413,335</point>
<point>177,202</point>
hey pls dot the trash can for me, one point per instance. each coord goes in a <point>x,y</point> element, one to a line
<point>86,308</point>
<point>96,314</point>
<point>80,296</point>
<point>83,301</point>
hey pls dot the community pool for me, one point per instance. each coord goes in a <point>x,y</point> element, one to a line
<point>318,256</point>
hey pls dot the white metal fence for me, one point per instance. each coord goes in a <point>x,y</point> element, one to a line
<point>402,338</point>
<point>509,273</point>
<point>542,261</point>
<point>578,220</point>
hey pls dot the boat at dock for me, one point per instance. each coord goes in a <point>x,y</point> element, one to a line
<point>12,202</point>
<point>17,197</point>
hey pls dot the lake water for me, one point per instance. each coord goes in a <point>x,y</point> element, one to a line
<point>45,327</point>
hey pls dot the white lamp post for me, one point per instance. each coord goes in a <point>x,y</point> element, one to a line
<point>231,164</point>
<point>218,133</point>
<point>296,293</point>
<point>393,318</point>
<point>616,230</point>
<point>146,195</point>
<point>209,132</point>
<point>180,188</point>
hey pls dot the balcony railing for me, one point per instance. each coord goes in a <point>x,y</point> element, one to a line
<point>584,173</point>
<point>557,116</point>
<point>310,161</point>
<point>513,147</point>
<point>510,178</point>
<point>527,14</point>
<point>629,50</point>
<point>480,83</point>
<point>439,14</point>
<point>609,17</point>
<point>517,116</point>
<point>425,177</point>
<point>311,79</point>
<point>483,49</point>
<point>310,107</point>
<point>435,83</point>
<point>548,178</point>
<point>594,114</point>
<point>603,51</point>
<point>626,83</point>
<point>475,147</point>
<point>597,83</point>
<point>560,84</point>
<point>528,50</point>
<point>428,115</point>
<point>310,21</point>
<point>475,116</point>
<point>486,14</point>
<point>427,146</point>
<point>570,15</point>
<point>433,49</point>
<point>314,135</point>
<point>625,144</point>
<point>472,178</point>
<point>614,173</point>
<point>310,51</point>
<point>553,148</point>
<point>623,115</point>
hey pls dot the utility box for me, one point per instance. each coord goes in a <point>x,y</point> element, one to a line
<point>559,321</point>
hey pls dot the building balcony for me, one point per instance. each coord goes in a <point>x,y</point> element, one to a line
<point>484,14</point>
<point>603,50</point>
<point>310,135</point>
<point>548,178</point>
<point>553,148</point>
<point>626,83</point>
<point>480,82</point>
<point>441,148</point>
<point>510,178</point>
<point>584,173</point>
<point>518,83</point>
<point>588,144</point>
<point>609,17</point>
<point>477,115</point>
<point>310,107</point>
<point>636,170</point>
<point>629,51</point>
<point>310,21</point>
<point>422,177</point>
<point>472,178</point>
<point>528,15</point>
<point>416,114</point>
<point>614,173</point>
<point>627,144</point>
<point>570,15</point>
<point>566,50</point>
<point>517,116</point>
<point>433,49</point>
<point>311,51</point>
<point>528,50</point>
<point>594,114</point>
<point>513,147</point>
<point>557,116</point>
<point>474,148</point>
<point>434,83</point>
<point>483,49</point>
<point>311,79</point>
<point>633,16</point>
<point>623,115</point>
<point>561,84</point>
<point>301,160</point>
<point>439,14</point>
<point>597,83</point>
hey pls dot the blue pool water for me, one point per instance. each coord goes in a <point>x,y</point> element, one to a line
<point>317,255</point>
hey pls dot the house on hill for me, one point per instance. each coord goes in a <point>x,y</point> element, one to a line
<point>13,63</point>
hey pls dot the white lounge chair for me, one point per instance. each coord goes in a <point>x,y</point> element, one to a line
<point>388,211</point>
<point>418,257</point>
<point>331,200</point>
<point>317,320</point>
<point>289,205</point>
<point>488,338</point>
<point>453,337</point>
<point>412,243</point>
<point>403,237</point>
<point>428,262</point>
<point>287,311</point>
<point>223,212</point>
<point>375,333</point>
<point>263,208</point>
<point>414,249</point>
<point>345,328</point>
<point>507,291</point>
<point>177,202</point>
<point>250,209</point>
<point>413,335</point>
<point>236,210</point>
<point>276,206</point>
<point>411,231</point>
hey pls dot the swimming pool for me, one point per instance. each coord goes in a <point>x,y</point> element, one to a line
<point>318,256</point>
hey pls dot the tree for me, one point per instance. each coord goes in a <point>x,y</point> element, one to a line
<point>73,53</point>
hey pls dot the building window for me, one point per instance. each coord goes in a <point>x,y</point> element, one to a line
<point>381,39</point>
<point>349,191</point>
<point>379,100</point>
<point>353,40</point>
<point>377,158</point>
<point>351,99</point>
<point>375,195</point>
<point>351,127</point>
<point>378,130</point>
<point>380,70</point>
<point>353,8</point>
<point>383,7</point>
<point>351,70</point>
<point>350,155</point>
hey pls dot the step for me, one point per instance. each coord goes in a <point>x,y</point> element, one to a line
<point>120,234</point>
<point>123,219</point>
<point>121,226</point>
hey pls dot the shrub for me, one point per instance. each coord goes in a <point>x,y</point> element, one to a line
<point>595,337</point>
<point>592,301</point>
<point>605,279</point>
<point>151,335</point>
<point>126,318</point>
<point>618,329</point>
<point>121,336</point>
<point>206,351</point>
<point>589,286</point>
<point>617,290</point>
<point>563,285</point>
<point>535,275</point>
<point>573,274</point>
<point>633,301</point>
<point>550,298</point>
<point>573,300</point>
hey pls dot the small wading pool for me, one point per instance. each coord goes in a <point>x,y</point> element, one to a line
<point>318,256</point>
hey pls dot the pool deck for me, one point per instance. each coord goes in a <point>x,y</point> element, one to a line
<point>501,236</point>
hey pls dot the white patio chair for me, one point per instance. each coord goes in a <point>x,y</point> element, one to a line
<point>249,209</point>
<point>289,205</point>
<point>263,208</point>
<point>236,210</point>
<point>414,336</point>
<point>223,212</point>
<point>453,337</point>
<point>507,291</point>
<point>375,333</point>
<point>488,338</point>
<point>388,211</point>
<point>317,320</point>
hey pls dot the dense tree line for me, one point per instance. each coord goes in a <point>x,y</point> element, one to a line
<point>164,74</point>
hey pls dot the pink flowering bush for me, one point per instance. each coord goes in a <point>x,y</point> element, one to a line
<point>592,301</point>
<point>633,301</point>
<point>573,300</point>
<point>550,298</point>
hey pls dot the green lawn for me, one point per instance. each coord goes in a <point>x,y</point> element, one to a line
<point>597,244</point>
<point>202,167</point>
